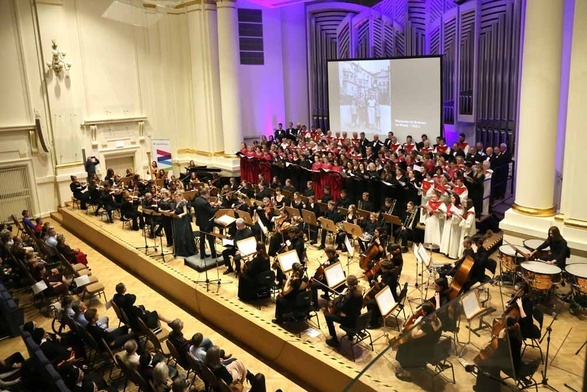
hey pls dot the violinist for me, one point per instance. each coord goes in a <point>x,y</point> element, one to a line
<point>296,283</point>
<point>296,241</point>
<point>80,192</point>
<point>419,347</point>
<point>559,250</point>
<point>282,224</point>
<point>204,219</point>
<point>526,308</point>
<point>226,197</point>
<point>319,280</point>
<point>166,204</point>
<point>248,280</point>
<point>108,202</point>
<point>266,214</point>
<point>128,211</point>
<point>387,276</point>
<point>242,232</point>
<point>332,214</point>
<point>347,309</point>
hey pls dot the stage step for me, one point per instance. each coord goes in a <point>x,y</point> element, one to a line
<point>56,215</point>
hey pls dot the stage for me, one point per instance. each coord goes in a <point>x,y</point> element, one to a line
<point>302,353</point>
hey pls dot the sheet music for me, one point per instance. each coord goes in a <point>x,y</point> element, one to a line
<point>350,249</point>
<point>227,242</point>
<point>334,275</point>
<point>424,255</point>
<point>385,301</point>
<point>82,280</point>
<point>247,246</point>
<point>38,287</point>
<point>287,260</point>
<point>225,220</point>
<point>416,253</point>
<point>262,226</point>
<point>471,305</point>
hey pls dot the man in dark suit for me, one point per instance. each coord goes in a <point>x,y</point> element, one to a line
<point>126,303</point>
<point>242,232</point>
<point>204,219</point>
<point>279,132</point>
<point>364,143</point>
<point>114,339</point>
<point>332,214</point>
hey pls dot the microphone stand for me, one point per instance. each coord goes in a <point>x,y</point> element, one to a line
<point>218,280</point>
<point>149,213</point>
<point>548,332</point>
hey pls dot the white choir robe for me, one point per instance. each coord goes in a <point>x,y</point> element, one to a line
<point>424,199</point>
<point>468,228</point>
<point>433,231</point>
<point>451,234</point>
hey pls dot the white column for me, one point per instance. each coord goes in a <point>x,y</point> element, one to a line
<point>574,203</point>
<point>539,107</point>
<point>207,109</point>
<point>229,61</point>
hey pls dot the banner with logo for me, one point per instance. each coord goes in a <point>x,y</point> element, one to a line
<point>161,153</point>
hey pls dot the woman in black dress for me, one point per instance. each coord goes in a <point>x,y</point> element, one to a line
<point>183,238</point>
<point>559,250</point>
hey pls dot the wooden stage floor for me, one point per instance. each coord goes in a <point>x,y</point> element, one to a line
<point>250,324</point>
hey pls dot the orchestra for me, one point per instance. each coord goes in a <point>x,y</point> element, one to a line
<point>434,185</point>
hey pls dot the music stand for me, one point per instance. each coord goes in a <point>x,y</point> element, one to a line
<point>328,225</point>
<point>363,213</point>
<point>386,304</point>
<point>309,218</point>
<point>392,220</point>
<point>171,215</point>
<point>472,309</point>
<point>352,229</point>
<point>152,214</point>
<point>293,212</point>
<point>287,259</point>
<point>244,215</point>
<point>208,280</point>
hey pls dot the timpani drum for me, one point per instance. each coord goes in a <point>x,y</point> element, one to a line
<point>539,275</point>
<point>576,275</point>
<point>508,258</point>
<point>534,243</point>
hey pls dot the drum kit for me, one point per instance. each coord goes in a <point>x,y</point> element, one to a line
<point>540,276</point>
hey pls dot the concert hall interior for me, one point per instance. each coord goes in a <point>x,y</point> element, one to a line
<point>340,195</point>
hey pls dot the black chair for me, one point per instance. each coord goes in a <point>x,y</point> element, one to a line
<point>303,310</point>
<point>401,306</point>
<point>440,357</point>
<point>536,334</point>
<point>265,281</point>
<point>358,332</point>
<point>524,378</point>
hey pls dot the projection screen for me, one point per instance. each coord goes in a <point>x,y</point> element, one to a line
<point>376,96</point>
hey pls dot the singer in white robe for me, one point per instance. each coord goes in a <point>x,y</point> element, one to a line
<point>434,211</point>
<point>451,234</point>
<point>468,225</point>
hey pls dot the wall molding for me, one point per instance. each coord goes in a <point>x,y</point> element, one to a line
<point>18,128</point>
<point>120,120</point>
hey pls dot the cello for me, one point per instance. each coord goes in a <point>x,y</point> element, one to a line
<point>461,278</point>
<point>372,252</point>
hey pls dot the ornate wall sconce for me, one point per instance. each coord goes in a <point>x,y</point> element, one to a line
<point>58,62</point>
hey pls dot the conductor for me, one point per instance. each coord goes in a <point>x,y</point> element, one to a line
<point>205,221</point>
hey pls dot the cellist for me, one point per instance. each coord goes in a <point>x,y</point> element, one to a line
<point>387,276</point>
<point>319,280</point>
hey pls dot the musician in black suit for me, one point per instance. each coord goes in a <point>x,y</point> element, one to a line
<point>387,276</point>
<point>451,269</point>
<point>332,214</point>
<point>80,192</point>
<point>388,141</point>
<point>478,269</point>
<point>279,132</point>
<point>365,203</point>
<point>108,202</point>
<point>242,232</point>
<point>205,221</point>
<point>346,310</point>
<point>262,191</point>
<point>248,281</point>
<point>406,233</point>
<point>319,281</point>
<point>363,143</point>
<point>344,201</point>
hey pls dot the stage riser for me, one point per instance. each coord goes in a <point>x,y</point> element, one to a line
<point>278,348</point>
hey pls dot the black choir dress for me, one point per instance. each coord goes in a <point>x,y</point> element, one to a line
<point>183,239</point>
